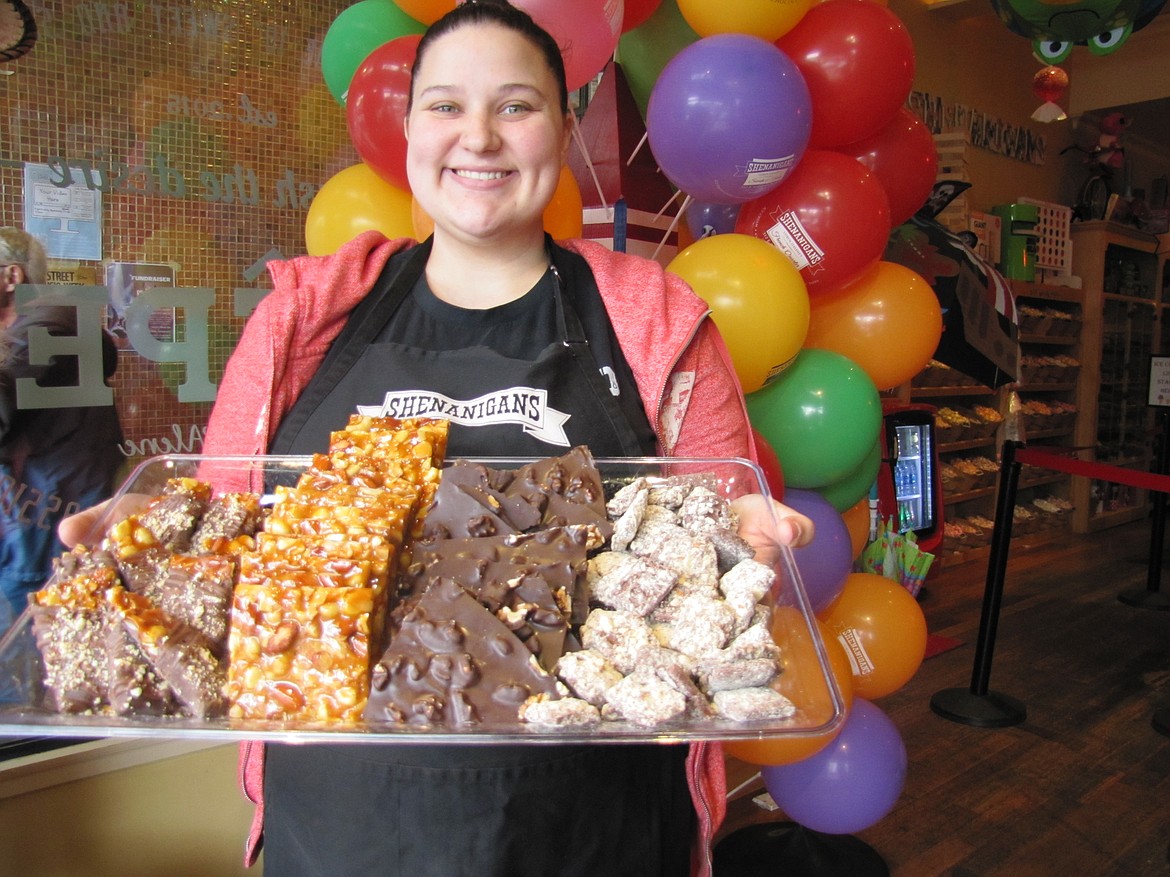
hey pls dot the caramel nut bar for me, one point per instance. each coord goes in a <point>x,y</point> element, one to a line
<point>299,653</point>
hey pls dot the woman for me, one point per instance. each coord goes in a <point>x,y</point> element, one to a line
<point>621,357</point>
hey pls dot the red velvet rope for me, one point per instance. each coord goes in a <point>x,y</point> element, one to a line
<point>1101,471</point>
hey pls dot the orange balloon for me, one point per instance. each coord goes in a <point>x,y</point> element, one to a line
<point>563,217</point>
<point>352,201</point>
<point>426,11</point>
<point>882,629</point>
<point>856,519</point>
<point>802,681</point>
<point>888,321</point>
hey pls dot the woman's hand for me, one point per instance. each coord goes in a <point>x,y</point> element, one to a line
<point>82,527</point>
<point>767,524</point>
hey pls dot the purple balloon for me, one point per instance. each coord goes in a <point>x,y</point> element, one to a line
<point>849,785</point>
<point>704,220</point>
<point>825,563</point>
<point>728,118</point>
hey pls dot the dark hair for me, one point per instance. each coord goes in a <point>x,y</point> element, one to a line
<point>506,15</point>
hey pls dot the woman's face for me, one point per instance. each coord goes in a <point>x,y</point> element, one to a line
<point>486,136</point>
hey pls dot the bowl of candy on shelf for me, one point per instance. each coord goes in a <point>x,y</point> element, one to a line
<point>1038,368</point>
<point>1040,415</point>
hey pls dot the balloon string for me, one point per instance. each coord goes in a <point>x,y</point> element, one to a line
<point>638,148</point>
<point>579,139</point>
<point>749,781</point>
<point>673,222</point>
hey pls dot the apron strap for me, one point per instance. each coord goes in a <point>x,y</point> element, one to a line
<point>573,337</point>
<point>364,323</point>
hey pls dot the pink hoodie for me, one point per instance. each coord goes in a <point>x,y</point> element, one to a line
<point>682,368</point>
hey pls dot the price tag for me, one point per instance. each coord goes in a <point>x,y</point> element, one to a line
<point>1159,382</point>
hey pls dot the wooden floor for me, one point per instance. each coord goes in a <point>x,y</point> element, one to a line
<point>1082,786</point>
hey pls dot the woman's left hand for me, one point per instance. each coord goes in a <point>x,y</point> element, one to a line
<point>766,524</point>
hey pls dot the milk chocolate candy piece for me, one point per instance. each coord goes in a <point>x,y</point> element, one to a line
<point>70,622</point>
<point>135,686</point>
<point>173,516</point>
<point>198,592</point>
<point>182,656</point>
<point>452,663</point>
<point>228,517</point>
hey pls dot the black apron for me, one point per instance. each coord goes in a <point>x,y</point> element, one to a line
<point>477,810</point>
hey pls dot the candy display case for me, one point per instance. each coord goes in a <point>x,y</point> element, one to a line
<point>805,678</point>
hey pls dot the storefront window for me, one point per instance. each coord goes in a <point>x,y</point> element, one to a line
<point>163,153</point>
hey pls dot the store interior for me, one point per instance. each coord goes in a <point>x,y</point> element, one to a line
<point>1077,788</point>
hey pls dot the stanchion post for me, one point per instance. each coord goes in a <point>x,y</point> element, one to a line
<point>1152,597</point>
<point>978,705</point>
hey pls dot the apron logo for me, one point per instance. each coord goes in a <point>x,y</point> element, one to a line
<point>525,407</point>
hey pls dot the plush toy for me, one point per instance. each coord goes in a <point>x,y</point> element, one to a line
<point>1109,151</point>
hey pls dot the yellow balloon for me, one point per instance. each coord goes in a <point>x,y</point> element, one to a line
<point>757,298</point>
<point>352,201</point>
<point>768,19</point>
<point>888,321</point>
<point>563,217</point>
<point>426,11</point>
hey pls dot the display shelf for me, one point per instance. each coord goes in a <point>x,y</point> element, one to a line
<point>1122,272</point>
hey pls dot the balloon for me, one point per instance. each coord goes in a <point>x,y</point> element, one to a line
<point>822,415</point>
<point>830,216</point>
<point>770,463</point>
<point>352,201</point>
<point>766,19</point>
<point>728,118</point>
<point>852,783</point>
<point>856,519</point>
<point>563,216</point>
<point>586,30</point>
<point>757,300</point>
<point>888,322</point>
<point>847,490</point>
<point>647,49</point>
<point>637,12</point>
<point>376,108</point>
<point>704,219</point>
<point>1050,83</point>
<point>426,11</point>
<point>858,60</point>
<point>882,629</point>
<point>903,158</point>
<point>356,32</point>
<point>801,680</point>
<point>827,561</point>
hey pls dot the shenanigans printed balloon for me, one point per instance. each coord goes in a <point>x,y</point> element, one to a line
<point>830,216</point>
<point>728,119</point>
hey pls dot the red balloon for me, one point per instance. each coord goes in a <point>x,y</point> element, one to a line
<point>586,30</point>
<point>638,12</point>
<point>903,158</point>
<point>857,59</point>
<point>375,108</point>
<point>770,463</point>
<point>830,216</point>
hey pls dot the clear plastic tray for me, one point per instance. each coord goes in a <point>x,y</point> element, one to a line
<point>806,678</point>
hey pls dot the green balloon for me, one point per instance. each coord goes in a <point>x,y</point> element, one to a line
<point>822,415</point>
<point>645,50</point>
<point>356,32</point>
<point>849,491</point>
